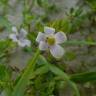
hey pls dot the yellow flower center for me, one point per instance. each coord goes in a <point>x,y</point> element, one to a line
<point>51,40</point>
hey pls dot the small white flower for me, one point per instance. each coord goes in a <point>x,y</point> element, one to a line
<point>50,40</point>
<point>20,37</point>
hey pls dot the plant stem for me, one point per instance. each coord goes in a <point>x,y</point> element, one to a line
<point>23,81</point>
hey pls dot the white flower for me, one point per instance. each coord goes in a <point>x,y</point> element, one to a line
<point>20,37</point>
<point>50,40</point>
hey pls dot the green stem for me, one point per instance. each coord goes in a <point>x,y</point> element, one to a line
<point>22,83</point>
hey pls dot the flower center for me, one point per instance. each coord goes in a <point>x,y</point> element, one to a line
<point>51,40</point>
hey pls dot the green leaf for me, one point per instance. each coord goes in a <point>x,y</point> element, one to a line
<point>5,79</point>
<point>25,77</point>
<point>4,44</point>
<point>41,70</point>
<point>84,77</point>
<point>42,3</point>
<point>5,48</point>
<point>74,42</point>
<point>4,73</point>
<point>62,74</point>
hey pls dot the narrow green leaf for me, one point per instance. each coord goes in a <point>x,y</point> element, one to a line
<point>41,70</point>
<point>63,75</point>
<point>73,42</point>
<point>84,77</point>
<point>24,80</point>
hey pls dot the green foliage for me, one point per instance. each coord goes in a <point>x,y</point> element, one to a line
<point>5,71</point>
<point>4,2</point>
<point>43,85</point>
<point>78,42</point>
<point>4,74</point>
<point>20,87</point>
<point>4,23</point>
<point>84,77</point>
<point>49,7</point>
<point>58,72</point>
<point>5,48</point>
<point>5,79</point>
<point>72,22</point>
<point>43,3</point>
<point>92,4</point>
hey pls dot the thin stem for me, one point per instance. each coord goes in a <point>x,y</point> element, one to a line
<point>22,83</point>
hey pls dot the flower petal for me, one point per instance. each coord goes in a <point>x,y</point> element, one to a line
<point>43,46</point>
<point>13,37</point>
<point>40,37</point>
<point>23,43</point>
<point>49,30</point>
<point>23,33</point>
<point>57,51</point>
<point>60,37</point>
<point>14,29</point>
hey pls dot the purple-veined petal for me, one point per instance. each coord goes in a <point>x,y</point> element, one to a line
<point>40,37</point>
<point>13,37</point>
<point>57,51</point>
<point>60,37</point>
<point>49,30</point>
<point>43,46</point>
